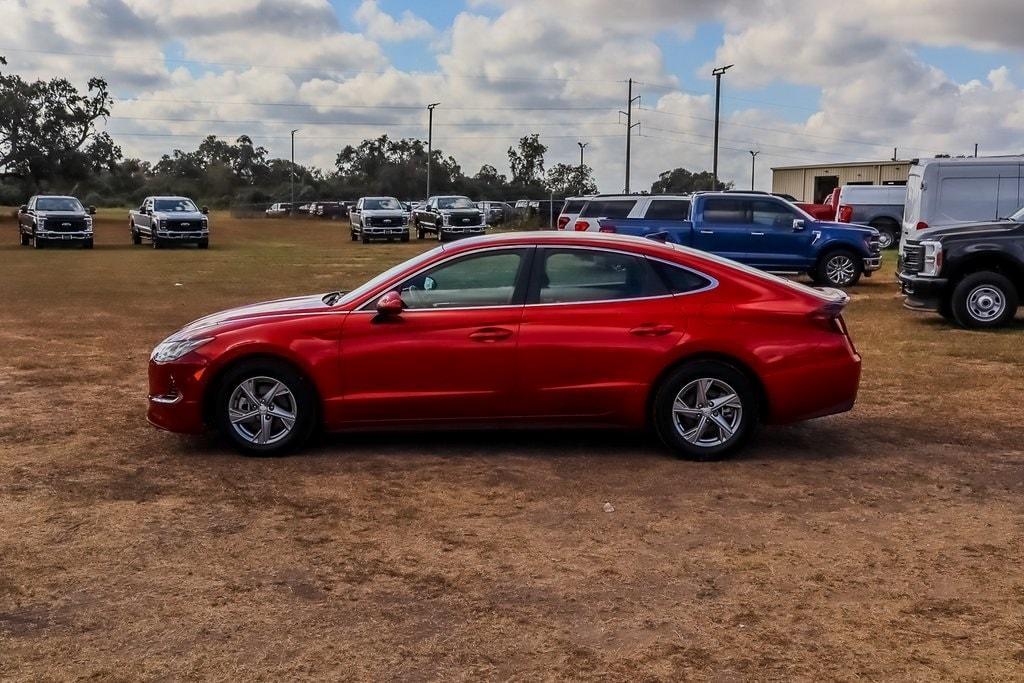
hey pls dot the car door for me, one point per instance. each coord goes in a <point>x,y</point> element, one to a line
<point>774,241</point>
<point>450,355</point>
<point>356,215</point>
<point>145,218</point>
<point>723,227</point>
<point>596,328</point>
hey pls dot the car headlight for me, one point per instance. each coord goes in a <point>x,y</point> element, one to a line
<point>446,219</point>
<point>932,263</point>
<point>169,350</point>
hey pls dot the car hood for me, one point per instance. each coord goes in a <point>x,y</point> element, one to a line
<point>60,214</point>
<point>261,312</point>
<point>398,213</point>
<point>180,215</point>
<point>853,227</point>
<point>967,230</point>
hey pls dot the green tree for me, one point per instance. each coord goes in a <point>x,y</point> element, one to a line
<point>570,179</point>
<point>527,162</point>
<point>681,180</point>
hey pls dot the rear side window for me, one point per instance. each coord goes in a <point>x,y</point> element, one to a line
<point>573,205</point>
<point>726,210</point>
<point>582,275</point>
<point>680,280</point>
<point>608,208</point>
<point>668,209</point>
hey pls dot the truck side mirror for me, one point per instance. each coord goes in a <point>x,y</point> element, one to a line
<point>799,224</point>
<point>205,210</point>
<point>92,210</point>
<point>23,208</point>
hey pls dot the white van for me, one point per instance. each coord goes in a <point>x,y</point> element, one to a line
<point>947,191</point>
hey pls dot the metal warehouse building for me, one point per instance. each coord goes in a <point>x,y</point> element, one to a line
<point>815,182</point>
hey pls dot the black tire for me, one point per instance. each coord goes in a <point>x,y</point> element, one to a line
<point>157,244</point>
<point>354,236</point>
<point>87,244</point>
<point>405,237</point>
<point>946,310</point>
<point>24,239</point>
<point>136,237</point>
<point>365,238</point>
<point>830,263</point>
<point>740,414</point>
<point>984,301</point>
<point>203,244</point>
<point>440,235</point>
<point>300,401</point>
<point>889,234</point>
<point>37,243</point>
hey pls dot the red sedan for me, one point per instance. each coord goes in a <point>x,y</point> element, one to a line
<point>541,329</point>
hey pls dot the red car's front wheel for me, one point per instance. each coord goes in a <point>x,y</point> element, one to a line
<point>265,408</point>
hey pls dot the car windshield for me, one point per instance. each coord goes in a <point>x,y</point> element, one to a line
<point>174,206</point>
<point>375,282</point>
<point>455,203</point>
<point>386,203</point>
<point>58,204</point>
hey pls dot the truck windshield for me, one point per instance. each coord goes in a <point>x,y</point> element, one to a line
<point>380,204</point>
<point>174,206</point>
<point>58,204</point>
<point>455,203</point>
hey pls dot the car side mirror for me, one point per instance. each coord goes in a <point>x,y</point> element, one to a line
<point>144,211</point>
<point>92,210</point>
<point>205,210</point>
<point>799,224</point>
<point>23,208</point>
<point>390,304</point>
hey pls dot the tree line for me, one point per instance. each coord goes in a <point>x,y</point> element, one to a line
<point>50,141</point>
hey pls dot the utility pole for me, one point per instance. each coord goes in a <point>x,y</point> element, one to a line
<point>430,142</point>
<point>583,146</point>
<point>717,73</point>
<point>753,160</point>
<point>291,209</point>
<point>629,126</point>
<point>894,153</point>
<point>975,150</point>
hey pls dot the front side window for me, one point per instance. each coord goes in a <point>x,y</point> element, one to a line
<point>769,214</point>
<point>175,206</point>
<point>608,208</point>
<point>668,209</point>
<point>487,279</point>
<point>59,204</point>
<point>582,275</point>
<point>727,211</point>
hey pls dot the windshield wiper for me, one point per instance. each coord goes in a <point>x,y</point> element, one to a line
<point>333,298</point>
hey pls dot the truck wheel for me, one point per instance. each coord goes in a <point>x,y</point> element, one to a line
<point>365,238</point>
<point>24,238</point>
<point>705,410</point>
<point>204,244</point>
<point>984,300</point>
<point>87,244</point>
<point>405,237</point>
<point>353,235</point>
<point>136,237</point>
<point>440,235</point>
<point>840,268</point>
<point>888,234</point>
<point>157,244</point>
<point>37,243</point>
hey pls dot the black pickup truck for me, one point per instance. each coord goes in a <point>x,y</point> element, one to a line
<point>449,217</point>
<point>972,274</point>
<point>49,218</point>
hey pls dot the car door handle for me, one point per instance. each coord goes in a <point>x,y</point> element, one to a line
<point>651,330</point>
<point>707,232</point>
<point>490,334</point>
<point>757,234</point>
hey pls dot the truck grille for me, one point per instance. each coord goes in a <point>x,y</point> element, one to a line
<point>65,224</point>
<point>912,259</point>
<point>384,221</point>
<point>182,225</point>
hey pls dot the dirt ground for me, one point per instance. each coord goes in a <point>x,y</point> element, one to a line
<point>881,544</point>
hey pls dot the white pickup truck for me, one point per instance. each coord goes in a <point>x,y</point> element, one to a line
<point>167,220</point>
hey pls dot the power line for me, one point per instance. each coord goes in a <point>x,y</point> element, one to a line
<point>225,136</point>
<point>401,124</point>
<point>355,106</point>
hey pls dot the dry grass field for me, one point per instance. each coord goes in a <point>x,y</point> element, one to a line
<point>886,543</point>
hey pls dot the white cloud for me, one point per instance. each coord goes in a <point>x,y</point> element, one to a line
<point>380,25</point>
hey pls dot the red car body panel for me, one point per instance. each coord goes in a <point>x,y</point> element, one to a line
<point>571,363</point>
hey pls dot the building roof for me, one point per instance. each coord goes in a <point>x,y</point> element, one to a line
<point>843,164</point>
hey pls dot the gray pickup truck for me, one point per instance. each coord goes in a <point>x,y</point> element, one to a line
<point>878,206</point>
<point>170,220</point>
<point>50,219</point>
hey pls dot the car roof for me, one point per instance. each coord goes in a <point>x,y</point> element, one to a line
<point>55,196</point>
<point>557,237</point>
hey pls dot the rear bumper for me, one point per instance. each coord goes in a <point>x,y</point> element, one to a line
<point>922,293</point>
<point>815,389</point>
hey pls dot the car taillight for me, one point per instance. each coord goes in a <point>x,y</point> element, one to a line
<point>921,225</point>
<point>582,226</point>
<point>606,227</point>
<point>562,222</point>
<point>845,214</point>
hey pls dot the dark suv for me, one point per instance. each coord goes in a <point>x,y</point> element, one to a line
<point>50,218</point>
<point>972,274</point>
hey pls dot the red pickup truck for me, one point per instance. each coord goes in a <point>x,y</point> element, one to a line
<point>822,212</point>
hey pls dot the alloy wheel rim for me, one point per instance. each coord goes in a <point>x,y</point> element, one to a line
<point>885,240</point>
<point>840,269</point>
<point>707,412</point>
<point>262,410</point>
<point>986,303</point>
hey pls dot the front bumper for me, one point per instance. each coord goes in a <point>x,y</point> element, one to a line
<point>184,236</point>
<point>873,263</point>
<point>463,229</point>
<point>55,235</point>
<point>175,396</point>
<point>922,293</point>
<point>385,232</point>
